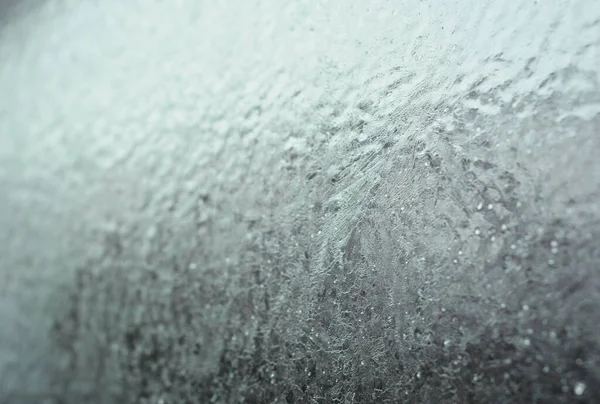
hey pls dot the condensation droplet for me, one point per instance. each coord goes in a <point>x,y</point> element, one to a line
<point>579,388</point>
<point>480,206</point>
<point>477,231</point>
<point>490,206</point>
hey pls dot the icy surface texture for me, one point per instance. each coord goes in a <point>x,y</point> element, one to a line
<point>299,201</point>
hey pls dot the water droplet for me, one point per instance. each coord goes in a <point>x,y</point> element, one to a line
<point>493,238</point>
<point>554,250</point>
<point>579,388</point>
<point>553,244</point>
<point>480,206</point>
<point>490,206</point>
<point>526,342</point>
<point>546,369</point>
<point>550,261</point>
<point>525,307</point>
<point>477,231</point>
<point>460,252</point>
<point>447,342</point>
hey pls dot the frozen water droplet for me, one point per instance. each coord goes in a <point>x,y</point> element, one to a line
<point>579,388</point>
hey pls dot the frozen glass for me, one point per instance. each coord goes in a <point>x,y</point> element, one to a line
<point>299,201</point>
